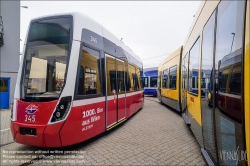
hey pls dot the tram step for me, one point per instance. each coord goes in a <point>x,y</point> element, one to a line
<point>185,119</point>
<point>207,158</point>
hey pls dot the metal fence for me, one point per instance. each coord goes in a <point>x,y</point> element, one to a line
<point>5,132</point>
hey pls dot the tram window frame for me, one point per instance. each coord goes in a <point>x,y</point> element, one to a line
<point>196,44</point>
<point>173,67</point>
<point>86,96</point>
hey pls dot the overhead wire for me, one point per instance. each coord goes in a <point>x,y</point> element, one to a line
<point>157,56</point>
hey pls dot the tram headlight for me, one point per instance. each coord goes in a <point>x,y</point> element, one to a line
<point>58,114</point>
<point>62,109</point>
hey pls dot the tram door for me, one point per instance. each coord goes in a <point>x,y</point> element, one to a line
<point>222,115</point>
<point>115,81</point>
<point>208,101</point>
<point>184,84</point>
<point>121,93</point>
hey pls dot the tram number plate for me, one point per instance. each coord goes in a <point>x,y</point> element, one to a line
<point>30,118</point>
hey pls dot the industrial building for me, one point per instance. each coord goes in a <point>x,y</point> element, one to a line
<point>9,50</point>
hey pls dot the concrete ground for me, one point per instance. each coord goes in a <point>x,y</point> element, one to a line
<point>156,135</point>
<point>5,133</point>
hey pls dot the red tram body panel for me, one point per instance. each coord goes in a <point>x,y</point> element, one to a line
<point>75,129</point>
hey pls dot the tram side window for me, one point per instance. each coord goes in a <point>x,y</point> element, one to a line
<point>172,77</point>
<point>130,76</point>
<point>228,61</point>
<point>165,79</point>
<point>203,83</point>
<point>223,80</point>
<point>139,79</point>
<point>89,75</point>
<point>120,77</point>
<point>153,81</point>
<point>142,83</point>
<point>128,84</point>
<point>135,81</point>
<point>139,83</point>
<point>145,81</point>
<point>193,82</point>
<point>159,80</point>
<point>229,46</point>
<point>193,68</point>
<point>235,83</point>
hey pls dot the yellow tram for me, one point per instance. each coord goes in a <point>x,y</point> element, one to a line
<point>212,81</point>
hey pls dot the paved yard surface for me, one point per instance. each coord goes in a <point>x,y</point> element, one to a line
<point>156,135</point>
<point>5,133</point>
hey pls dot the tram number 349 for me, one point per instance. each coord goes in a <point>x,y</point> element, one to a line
<point>30,118</point>
<point>88,113</point>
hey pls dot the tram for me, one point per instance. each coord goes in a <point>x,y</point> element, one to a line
<point>149,79</point>
<point>215,59</point>
<point>169,90</point>
<point>76,80</point>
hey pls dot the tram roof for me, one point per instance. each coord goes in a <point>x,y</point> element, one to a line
<point>81,21</point>
<point>171,56</point>
<point>150,69</point>
<point>197,14</point>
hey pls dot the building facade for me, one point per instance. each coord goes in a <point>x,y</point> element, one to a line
<point>9,50</point>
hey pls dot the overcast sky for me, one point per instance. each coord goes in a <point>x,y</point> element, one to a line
<point>149,28</point>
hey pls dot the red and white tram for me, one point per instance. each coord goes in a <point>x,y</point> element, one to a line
<point>76,80</point>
